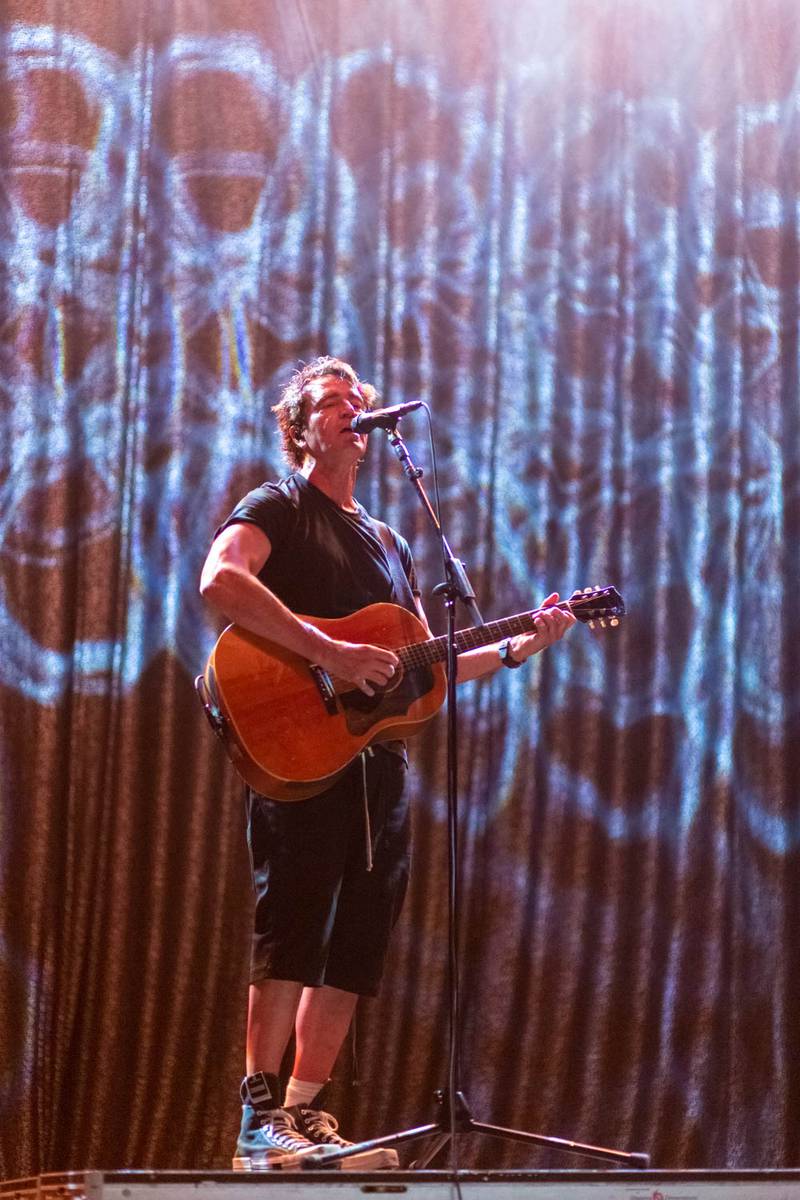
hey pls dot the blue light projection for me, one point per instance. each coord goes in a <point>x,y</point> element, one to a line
<point>593,285</point>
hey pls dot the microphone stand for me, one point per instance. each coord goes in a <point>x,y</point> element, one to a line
<point>455,1116</point>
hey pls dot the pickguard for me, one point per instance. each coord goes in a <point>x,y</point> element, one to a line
<point>361,712</point>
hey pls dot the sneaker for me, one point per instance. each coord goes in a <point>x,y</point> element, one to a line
<point>270,1139</point>
<point>320,1128</point>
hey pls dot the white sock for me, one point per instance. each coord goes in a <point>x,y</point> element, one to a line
<point>300,1092</point>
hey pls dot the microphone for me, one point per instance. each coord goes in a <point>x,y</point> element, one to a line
<point>382,418</point>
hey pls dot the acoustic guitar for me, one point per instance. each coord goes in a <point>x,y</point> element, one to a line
<point>291,729</point>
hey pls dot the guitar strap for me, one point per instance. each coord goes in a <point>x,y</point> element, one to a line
<point>400,584</point>
<point>404,596</point>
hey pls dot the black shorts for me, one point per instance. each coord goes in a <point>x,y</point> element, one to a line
<point>321,916</point>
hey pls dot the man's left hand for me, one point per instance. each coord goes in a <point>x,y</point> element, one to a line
<point>549,627</point>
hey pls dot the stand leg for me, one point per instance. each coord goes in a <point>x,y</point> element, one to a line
<point>427,1158</point>
<point>622,1157</point>
<point>461,1122</point>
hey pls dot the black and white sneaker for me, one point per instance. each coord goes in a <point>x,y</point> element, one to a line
<point>270,1138</point>
<point>321,1127</point>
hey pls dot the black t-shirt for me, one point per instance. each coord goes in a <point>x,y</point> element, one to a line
<point>324,562</point>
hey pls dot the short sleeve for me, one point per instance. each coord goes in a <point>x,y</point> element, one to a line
<point>404,552</point>
<point>269,508</point>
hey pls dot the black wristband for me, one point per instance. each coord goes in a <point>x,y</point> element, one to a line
<point>504,650</point>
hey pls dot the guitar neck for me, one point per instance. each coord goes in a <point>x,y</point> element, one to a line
<point>422,654</point>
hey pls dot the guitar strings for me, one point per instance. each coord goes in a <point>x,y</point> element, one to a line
<point>422,654</point>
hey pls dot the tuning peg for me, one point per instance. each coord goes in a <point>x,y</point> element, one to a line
<point>587,591</point>
<point>614,621</point>
<point>591,624</point>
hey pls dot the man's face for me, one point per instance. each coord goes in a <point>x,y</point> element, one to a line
<point>330,407</point>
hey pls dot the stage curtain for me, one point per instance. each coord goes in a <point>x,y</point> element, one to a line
<point>572,230</point>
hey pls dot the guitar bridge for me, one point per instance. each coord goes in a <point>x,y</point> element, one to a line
<point>325,687</point>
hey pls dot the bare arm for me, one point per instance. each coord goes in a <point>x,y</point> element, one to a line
<point>229,582</point>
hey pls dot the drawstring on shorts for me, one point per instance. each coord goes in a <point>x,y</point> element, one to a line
<point>367,827</point>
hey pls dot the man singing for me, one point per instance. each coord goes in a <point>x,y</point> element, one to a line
<point>330,873</point>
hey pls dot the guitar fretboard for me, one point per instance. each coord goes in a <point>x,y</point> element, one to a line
<point>422,654</point>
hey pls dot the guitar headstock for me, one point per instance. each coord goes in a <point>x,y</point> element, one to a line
<point>598,606</point>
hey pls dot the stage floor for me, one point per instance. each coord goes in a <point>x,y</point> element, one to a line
<point>416,1185</point>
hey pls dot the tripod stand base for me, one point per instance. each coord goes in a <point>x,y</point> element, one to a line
<point>460,1120</point>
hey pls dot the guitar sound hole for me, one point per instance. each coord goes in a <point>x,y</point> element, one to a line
<point>361,712</point>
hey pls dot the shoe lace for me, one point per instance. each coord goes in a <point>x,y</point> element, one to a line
<point>284,1131</point>
<point>322,1126</point>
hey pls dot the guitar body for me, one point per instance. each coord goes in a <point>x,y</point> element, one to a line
<point>290,740</point>
<point>291,730</point>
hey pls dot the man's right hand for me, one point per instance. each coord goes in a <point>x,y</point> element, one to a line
<point>363,665</point>
<point>230,581</point>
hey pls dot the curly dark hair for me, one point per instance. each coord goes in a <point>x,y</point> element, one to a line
<point>290,410</point>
